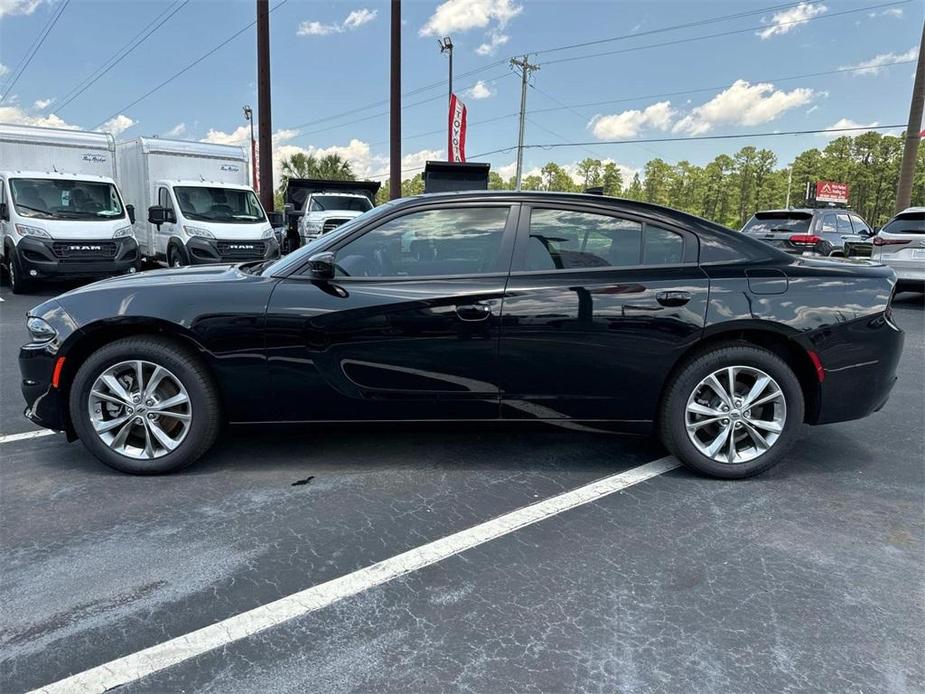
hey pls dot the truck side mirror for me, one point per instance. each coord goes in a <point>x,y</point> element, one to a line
<point>276,219</point>
<point>157,215</point>
<point>4,212</point>
<point>321,266</point>
<point>131,213</point>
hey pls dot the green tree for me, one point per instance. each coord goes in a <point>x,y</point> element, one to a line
<point>556,178</point>
<point>589,171</point>
<point>611,179</point>
<point>635,191</point>
<point>658,179</point>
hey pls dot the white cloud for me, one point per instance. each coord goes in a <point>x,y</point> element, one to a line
<point>463,15</point>
<point>176,131</point>
<point>479,90</point>
<point>787,20</point>
<point>11,7</point>
<point>17,116</point>
<point>507,171</point>
<point>496,39</point>
<point>3,70</point>
<point>41,104</point>
<point>876,64</point>
<point>118,125</point>
<point>629,123</point>
<point>896,12</point>
<point>846,123</point>
<point>354,20</point>
<point>742,104</point>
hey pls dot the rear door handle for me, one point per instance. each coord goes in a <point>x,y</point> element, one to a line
<point>473,312</point>
<point>673,298</point>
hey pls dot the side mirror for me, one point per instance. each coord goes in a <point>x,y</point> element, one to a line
<point>276,219</point>
<point>131,213</point>
<point>4,212</point>
<point>157,215</point>
<point>321,266</point>
<point>288,207</point>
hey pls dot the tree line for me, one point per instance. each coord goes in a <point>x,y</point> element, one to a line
<point>728,190</point>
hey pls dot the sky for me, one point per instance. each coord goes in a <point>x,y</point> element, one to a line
<point>656,69</point>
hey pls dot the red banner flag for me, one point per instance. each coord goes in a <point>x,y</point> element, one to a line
<point>456,147</point>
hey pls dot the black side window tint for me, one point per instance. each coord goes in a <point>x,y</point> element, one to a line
<point>567,240</point>
<point>662,247</point>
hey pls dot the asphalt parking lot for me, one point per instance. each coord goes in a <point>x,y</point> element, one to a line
<point>807,578</point>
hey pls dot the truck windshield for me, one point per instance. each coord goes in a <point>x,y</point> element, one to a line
<point>53,198</point>
<point>219,204</point>
<point>352,203</point>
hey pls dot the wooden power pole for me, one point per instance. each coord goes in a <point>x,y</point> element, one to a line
<point>265,127</point>
<point>395,105</point>
<point>913,133</point>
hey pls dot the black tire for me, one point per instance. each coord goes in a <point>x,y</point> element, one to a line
<point>203,396</point>
<point>175,256</point>
<point>19,283</point>
<point>673,413</point>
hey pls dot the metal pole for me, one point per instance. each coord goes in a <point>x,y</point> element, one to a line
<point>450,95</point>
<point>913,133</point>
<point>395,104</point>
<point>525,69</point>
<point>789,183</point>
<point>263,104</point>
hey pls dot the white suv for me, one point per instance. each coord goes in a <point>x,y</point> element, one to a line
<point>900,243</point>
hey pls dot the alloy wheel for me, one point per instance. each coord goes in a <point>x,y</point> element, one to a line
<point>735,414</point>
<point>140,409</point>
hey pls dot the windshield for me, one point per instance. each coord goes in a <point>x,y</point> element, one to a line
<point>353,203</point>
<point>298,257</point>
<point>909,223</point>
<point>52,198</point>
<point>219,204</point>
<point>774,223</point>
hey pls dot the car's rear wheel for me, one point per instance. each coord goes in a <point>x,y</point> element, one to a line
<point>732,411</point>
<point>144,406</point>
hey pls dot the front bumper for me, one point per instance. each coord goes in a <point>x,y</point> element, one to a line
<point>62,259</point>
<point>202,251</point>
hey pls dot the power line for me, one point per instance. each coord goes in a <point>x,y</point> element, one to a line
<point>190,66</point>
<point>30,54</point>
<point>721,34</point>
<point>121,54</point>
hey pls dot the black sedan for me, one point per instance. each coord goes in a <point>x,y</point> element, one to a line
<point>476,306</point>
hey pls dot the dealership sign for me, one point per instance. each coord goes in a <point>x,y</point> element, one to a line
<point>830,191</point>
<point>457,131</point>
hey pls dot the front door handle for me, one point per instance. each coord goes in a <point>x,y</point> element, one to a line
<point>473,312</point>
<point>673,298</point>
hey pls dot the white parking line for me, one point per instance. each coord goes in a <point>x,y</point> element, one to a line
<point>163,655</point>
<point>9,438</point>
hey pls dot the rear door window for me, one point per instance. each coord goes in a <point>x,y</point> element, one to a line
<point>843,224</point>
<point>827,223</point>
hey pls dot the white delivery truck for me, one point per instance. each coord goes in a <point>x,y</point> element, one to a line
<point>199,206</point>
<point>61,213</point>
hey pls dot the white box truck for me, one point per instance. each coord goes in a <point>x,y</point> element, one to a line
<point>61,213</point>
<point>199,206</point>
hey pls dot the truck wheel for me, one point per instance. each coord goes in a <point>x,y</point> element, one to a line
<point>19,283</point>
<point>145,405</point>
<point>174,257</point>
<point>732,412</point>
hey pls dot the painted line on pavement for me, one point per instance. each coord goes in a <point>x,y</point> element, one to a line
<point>9,438</point>
<point>142,663</point>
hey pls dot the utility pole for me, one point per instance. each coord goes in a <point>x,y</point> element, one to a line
<point>263,104</point>
<point>249,117</point>
<point>525,70</point>
<point>913,133</point>
<point>446,46</point>
<point>789,183</point>
<point>395,105</point>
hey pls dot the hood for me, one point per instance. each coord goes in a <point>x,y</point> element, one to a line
<point>324,215</point>
<point>224,231</point>
<point>172,277</point>
<point>85,230</point>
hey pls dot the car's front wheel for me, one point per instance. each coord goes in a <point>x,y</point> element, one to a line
<point>732,411</point>
<point>144,405</point>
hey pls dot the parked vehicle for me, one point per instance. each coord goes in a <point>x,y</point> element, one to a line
<point>823,231</point>
<point>477,306</point>
<point>901,245</point>
<point>318,206</point>
<point>61,213</point>
<point>200,208</point>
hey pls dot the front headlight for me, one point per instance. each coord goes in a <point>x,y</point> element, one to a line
<point>40,329</point>
<point>268,233</point>
<point>123,231</point>
<point>32,231</point>
<point>312,228</point>
<point>198,231</point>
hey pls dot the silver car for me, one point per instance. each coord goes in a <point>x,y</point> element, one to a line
<point>900,243</point>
